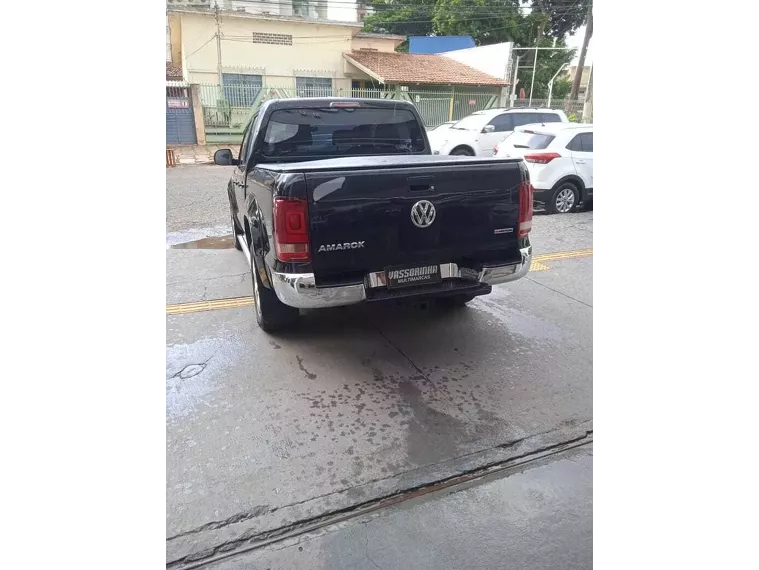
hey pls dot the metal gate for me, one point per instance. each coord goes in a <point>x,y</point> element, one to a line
<point>434,110</point>
<point>180,122</point>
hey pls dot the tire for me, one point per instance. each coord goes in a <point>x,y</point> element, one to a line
<point>563,199</point>
<point>235,233</point>
<point>271,313</point>
<point>462,152</point>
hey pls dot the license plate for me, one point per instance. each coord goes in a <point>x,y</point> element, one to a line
<point>411,275</point>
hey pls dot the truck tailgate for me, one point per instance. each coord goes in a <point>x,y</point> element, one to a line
<point>361,218</point>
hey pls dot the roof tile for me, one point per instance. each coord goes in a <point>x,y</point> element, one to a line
<point>394,67</point>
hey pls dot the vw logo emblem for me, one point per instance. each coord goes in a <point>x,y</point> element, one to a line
<point>423,214</point>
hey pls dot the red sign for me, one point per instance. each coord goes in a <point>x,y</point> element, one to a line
<point>472,102</point>
<point>178,103</point>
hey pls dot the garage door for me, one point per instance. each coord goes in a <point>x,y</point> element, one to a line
<point>180,122</point>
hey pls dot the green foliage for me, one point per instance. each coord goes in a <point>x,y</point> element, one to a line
<point>487,21</point>
<point>561,88</point>
<point>548,64</point>
<point>402,17</point>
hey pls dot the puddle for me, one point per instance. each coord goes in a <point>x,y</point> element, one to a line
<point>198,234</point>
<point>216,242</point>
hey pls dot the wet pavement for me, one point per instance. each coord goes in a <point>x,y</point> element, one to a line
<point>265,432</point>
<point>537,518</point>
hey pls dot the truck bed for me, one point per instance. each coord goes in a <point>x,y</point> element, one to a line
<point>389,161</point>
<point>361,211</point>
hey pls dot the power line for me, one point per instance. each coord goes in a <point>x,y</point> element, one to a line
<point>400,4</point>
<point>208,41</point>
<point>419,8</point>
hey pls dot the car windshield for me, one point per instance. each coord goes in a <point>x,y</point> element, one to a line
<point>470,123</point>
<point>528,139</point>
<point>331,132</point>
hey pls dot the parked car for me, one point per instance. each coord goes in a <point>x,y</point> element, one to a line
<point>559,157</point>
<point>477,134</point>
<point>442,127</point>
<point>437,134</point>
<point>339,201</point>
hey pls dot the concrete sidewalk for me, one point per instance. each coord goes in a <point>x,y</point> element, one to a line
<point>199,154</point>
<point>539,517</point>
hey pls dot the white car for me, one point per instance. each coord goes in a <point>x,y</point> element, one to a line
<point>477,134</point>
<point>442,127</point>
<point>559,157</point>
<point>437,134</point>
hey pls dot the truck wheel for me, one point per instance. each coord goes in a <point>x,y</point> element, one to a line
<point>462,152</point>
<point>271,313</point>
<point>235,233</point>
<point>563,199</point>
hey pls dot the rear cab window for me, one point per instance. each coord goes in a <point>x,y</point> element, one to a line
<point>331,132</point>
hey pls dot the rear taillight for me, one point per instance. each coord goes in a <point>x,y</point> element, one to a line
<point>541,157</point>
<point>291,242</point>
<point>525,208</point>
<point>495,150</point>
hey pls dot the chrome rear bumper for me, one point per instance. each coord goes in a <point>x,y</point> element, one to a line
<point>299,289</point>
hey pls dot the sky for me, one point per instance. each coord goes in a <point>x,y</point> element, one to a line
<point>576,41</point>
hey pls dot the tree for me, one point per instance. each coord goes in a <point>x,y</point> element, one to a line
<point>402,17</point>
<point>549,62</point>
<point>564,18</point>
<point>487,21</point>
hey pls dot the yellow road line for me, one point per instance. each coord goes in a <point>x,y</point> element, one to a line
<point>216,304</point>
<point>563,255</point>
<point>537,266</point>
<point>182,308</point>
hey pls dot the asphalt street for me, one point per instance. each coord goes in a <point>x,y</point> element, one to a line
<point>267,435</point>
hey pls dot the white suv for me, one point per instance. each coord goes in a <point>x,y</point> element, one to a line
<point>477,134</point>
<point>559,157</point>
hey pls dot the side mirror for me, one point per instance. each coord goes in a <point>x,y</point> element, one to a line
<point>223,157</point>
<point>488,129</point>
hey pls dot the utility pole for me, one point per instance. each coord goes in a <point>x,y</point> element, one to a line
<point>583,51</point>
<point>535,61</point>
<point>217,17</point>
<point>514,83</point>
<point>532,83</point>
<point>587,108</point>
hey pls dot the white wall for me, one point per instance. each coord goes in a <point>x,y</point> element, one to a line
<point>493,60</point>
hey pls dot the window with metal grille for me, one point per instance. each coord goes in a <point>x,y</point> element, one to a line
<point>313,86</point>
<point>241,89</point>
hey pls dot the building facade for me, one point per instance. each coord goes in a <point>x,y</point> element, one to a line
<point>282,52</point>
<point>343,11</point>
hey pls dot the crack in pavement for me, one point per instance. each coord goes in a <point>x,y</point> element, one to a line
<point>309,375</point>
<point>256,511</point>
<point>243,516</point>
<point>236,546</point>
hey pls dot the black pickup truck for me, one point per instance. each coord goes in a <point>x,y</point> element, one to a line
<point>340,201</point>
